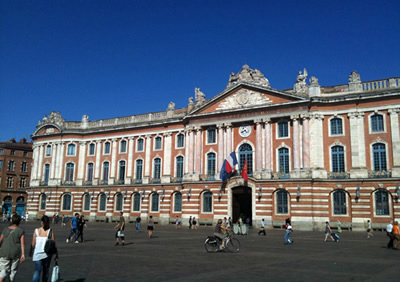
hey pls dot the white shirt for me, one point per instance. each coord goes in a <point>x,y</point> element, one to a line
<point>389,228</point>
<point>262,224</point>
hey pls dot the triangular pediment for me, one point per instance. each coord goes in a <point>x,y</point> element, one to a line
<point>245,96</point>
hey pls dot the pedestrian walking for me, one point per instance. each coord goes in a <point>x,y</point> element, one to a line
<point>262,227</point>
<point>41,259</point>
<point>138,219</point>
<point>150,226</point>
<point>190,222</point>
<point>389,233</point>
<point>27,217</point>
<point>81,225</point>
<point>120,234</point>
<point>177,223</point>
<point>74,229</point>
<point>396,235</point>
<point>289,229</point>
<point>12,249</point>
<point>328,232</point>
<point>194,221</point>
<point>369,229</point>
<point>63,220</point>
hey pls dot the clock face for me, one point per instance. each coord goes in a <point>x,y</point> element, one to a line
<point>244,130</point>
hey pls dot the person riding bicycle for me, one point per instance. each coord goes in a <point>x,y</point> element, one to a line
<point>219,231</point>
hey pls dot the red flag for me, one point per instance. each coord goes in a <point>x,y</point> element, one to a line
<point>244,170</point>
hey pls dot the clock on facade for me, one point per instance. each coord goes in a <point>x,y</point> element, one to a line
<point>244,130</point>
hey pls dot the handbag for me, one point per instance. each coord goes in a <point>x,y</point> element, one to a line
<point>50,245</point>
<point>55,275</point>
<point>121,233</point>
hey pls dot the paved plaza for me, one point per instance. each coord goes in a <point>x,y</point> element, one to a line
<point>179,255</point>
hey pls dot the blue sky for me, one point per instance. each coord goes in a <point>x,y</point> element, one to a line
<point>117,58</point>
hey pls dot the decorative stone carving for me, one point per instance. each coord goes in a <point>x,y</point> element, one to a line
<point>314,82</point>
<point>171,106</point>
<point>53,117</point>
<point>199,96</point>
<point>355,82</point>
<point>301,87</point>
<point>244,98</point>
<point>246,74</point>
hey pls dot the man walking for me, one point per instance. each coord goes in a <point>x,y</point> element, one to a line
<point>138,219</point>
<point>120,230</point>
<point>190,222</point>
<point>262,227</point>
<point>74,228</point>
<point>389,230</point>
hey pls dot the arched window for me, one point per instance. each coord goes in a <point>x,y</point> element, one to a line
<point>339,202</point>
<point>336,126</point>
<point>377,123</point>
<point>158,143</point>
<point>140,145</point>
<point>157,168</point>
<point>118,202</point>
<point>180,141</point>
<point>379,154</point>
<point>106,168</point>
<point>154,202</point>
<point>337,153</point>
<point>136,202</point>
<point>46,174</point>
<point>211,164</point>
<point>102,202</point>
<point>207,201</point>
<point>86,202</point>
<point>123,146</point>
<point>90,172</point>
<point>382,202</point>
<point>107,148</point>
<point>179,167</point>
<point>48,150</point>
<point>178,202</point>
<point>66,202</point>
<point>246,153</point>
<point>282,204</point>
<point>91,149</point>
<point>139,169</point>
<point>43,199</point>
<point>71,150</point>
<point>121,175</point>
<point>283,154</point>
<point>69,173</point>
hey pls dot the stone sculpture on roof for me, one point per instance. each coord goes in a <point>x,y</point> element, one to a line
<point>355,81</point>
<point>199,96</point>
<point>246,74</point>
<point>53,117</point>
<point>300,86</point>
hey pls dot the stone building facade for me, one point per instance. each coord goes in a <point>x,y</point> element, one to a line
<point>15,172</point>
<point>313,153</point>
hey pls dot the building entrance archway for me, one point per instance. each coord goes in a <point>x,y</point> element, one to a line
<point>241,203</point>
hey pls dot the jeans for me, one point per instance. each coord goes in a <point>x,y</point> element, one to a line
<point>288,240</point>
<point>137,226</point>
<point>74,232</point>
<point>43,264</point>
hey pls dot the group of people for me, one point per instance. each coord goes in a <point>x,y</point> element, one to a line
<point>120,227</point>
<point>392,231</point>
<point>77,224</point>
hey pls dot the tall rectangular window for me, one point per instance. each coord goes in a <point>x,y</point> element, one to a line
<point>283,129</point>
<point>282,202</point>
<point>283,160</point>
<point>24,167</point>
<point>90,172</point>
<point>136,202</point>
<point>140,145</point>
<point>1,164</point>
<point>123,146</point>
<point>179,166</point>
<point>211,136</point>
<point>211,164</point>
<point>10,181</point>
<point>139,168</point>
<point>337,159</point>
<point>157,168</point>
<point>48,150</point>
<point>22,182</point>
<point>178,202</point>
<point>207,202</point>
<point>377,123</point>
<point>336,126</point>
<point>158,143</point>
<point>106,166</point>
<point>86,202</point>
<point>339,202</point>
<point>11,166</point>
<point>154,202</point>
<point>107,148</point>
<point>91,149</point>
<point>180,142</point>
<point>71,150</point>
<point>69,173</point>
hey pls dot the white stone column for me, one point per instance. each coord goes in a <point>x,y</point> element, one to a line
<point>228,139</point>
<point>113,161</point>
<point>268,147</point>
<point>395,129</point>
<point>98,163</point>
<point>296,147</point>
<point>317,143</point>
<point>40,163</point>
<point>35,156</point>
<point>128,179</point>
<point>258,151</point>
<point>166,176</point>
<point>220,146</point>
<point>358,163</point>
<point>191,151</point>
<point>306,142</point>
<point>187,144</point>
<point>81,164</point>
<point>53,160</point>
<point>147,161</point>
<point>197,163</point>
<point>60,162</point>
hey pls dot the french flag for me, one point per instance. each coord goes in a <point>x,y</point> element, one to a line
<point>228,166</point>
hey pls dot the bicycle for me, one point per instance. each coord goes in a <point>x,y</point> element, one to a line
<point>214,244</point>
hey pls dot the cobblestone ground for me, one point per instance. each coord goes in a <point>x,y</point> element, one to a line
<point>179,255</point>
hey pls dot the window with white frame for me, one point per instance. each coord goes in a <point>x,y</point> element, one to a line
<point>283,155</point>
<point>43,199</point>
<point>140,145</point>
<point>11,165</point>
<point>121,174</point>
<point>92,148</point>
<point>157,168</point>
<point>106,169</point>
<point>69,172</point>
<point>178,202</point>
<point>22,182</point>
<point>211,159</point>
<point>336,126</point>
<point>86,202</point>
<point>102,202</point>
<point>119,198</point>
<point>90,171</point>
<point>136,202</point>
<point>71,150</point>
<point>377,124</point>
<point>339,202</point>
<point>282,203</point>
<point>207,202</point>
<point>180,140</point>
<point>211,136</point>
<point>123,146</point>
<point>379,156</point>
<point>66,202</point>
<point>46,174</point>
<point>179,166</point>
<point>10,182</point>
<point>158,143</point>
<point>24,167</point>
<point>246,153</point>
<point>107,148</point>
<point>283,129</point>
<point>382,202</point>
<point>337,155</point>
<point>139,169</point>
<point>48,150</point>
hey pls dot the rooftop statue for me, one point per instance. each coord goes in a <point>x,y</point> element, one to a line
<point>246,74</point>
<point>53,117</point>
<point>199,96</point>
<point>171,106</point>
<point>300,86</point>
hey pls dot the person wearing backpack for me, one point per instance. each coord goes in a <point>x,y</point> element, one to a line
<point>12,249</point>
<point>40,257</point>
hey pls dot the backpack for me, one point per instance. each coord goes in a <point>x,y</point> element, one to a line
<point>50,246</point>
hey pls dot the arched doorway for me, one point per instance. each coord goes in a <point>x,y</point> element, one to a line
<point>20,207</point>
<point>241,203</point>
<point>7,205</point>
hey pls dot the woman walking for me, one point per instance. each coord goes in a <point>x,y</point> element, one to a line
<point>194,221</point>
<point>41,259</point>
<point>81,225</point>
<point>12,251</point>
<point>328,232</point>
<point>150,226</point>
